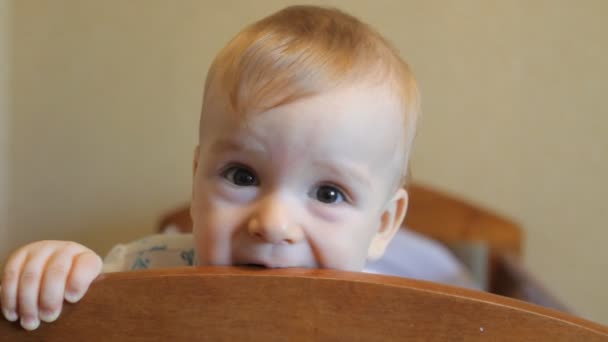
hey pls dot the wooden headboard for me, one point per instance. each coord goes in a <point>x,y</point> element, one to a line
<point>450,219</point>
<point>245,304</point>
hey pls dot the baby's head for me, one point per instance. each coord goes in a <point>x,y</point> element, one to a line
<point>306,130</point>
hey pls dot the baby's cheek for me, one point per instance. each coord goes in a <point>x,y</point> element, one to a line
<point>212,245</point>
<point>212,232</point>
<point>331,214</point>
<point>221,190</point>
<point>345,259</point>
<point>335,248</point>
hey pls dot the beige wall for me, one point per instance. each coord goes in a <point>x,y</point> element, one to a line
<point>4,125</point>
<point>106,95</point>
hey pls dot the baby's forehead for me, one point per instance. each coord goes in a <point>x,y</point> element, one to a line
<point>374,106</point>
<point>361,122</point>
<point>375,96</point>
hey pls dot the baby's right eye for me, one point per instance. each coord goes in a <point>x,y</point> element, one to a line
<point>241,176</point>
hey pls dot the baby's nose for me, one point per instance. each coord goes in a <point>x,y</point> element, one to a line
<point>272,224</point>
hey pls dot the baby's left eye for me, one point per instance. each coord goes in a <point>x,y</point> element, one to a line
<point>329,194</point>
<point>241,176</point>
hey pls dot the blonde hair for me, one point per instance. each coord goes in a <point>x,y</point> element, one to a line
<point>301,51</point>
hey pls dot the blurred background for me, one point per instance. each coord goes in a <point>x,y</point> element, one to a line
<point>99,104</point>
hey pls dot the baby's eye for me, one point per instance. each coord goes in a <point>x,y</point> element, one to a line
<point>329,194</point>
<point>241,176</point>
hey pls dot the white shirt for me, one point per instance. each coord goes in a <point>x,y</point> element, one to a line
<point>409,255</point>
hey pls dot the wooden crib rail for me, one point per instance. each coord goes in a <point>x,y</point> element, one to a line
<point>243,304</point>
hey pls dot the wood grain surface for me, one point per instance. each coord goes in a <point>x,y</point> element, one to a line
<point>248,304</point>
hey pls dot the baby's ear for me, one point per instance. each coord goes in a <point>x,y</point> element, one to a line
<point>195,159</point>
<point>390,222</point>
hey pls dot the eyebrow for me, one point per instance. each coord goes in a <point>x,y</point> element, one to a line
<point>345,171</point>
<point>222,146</point>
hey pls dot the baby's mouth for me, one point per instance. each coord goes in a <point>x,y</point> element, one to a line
<point>265,256</point>
<point>264,264</point>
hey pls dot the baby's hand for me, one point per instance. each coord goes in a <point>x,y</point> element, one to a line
<point>38,276</point>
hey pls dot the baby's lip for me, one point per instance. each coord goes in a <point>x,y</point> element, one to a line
<point>267,256</point>
<point>264,263</point>
<point>252,265</point>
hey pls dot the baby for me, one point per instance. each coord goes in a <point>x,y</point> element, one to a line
<point>305,135</point>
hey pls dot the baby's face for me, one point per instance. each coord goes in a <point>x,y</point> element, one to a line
<point>307,184</point>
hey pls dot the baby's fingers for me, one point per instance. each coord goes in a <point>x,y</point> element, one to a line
<point>10,283</point>
<point>85,268</point>
<point>53,283</point>
<point>29,287</point>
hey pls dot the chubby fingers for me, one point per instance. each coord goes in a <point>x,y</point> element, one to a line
<point>39,276</point>
<point>29,285</point>
<point>86,267</point>
<point>68,274</point>
<point>54,278</point>
<point>10,284</point>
